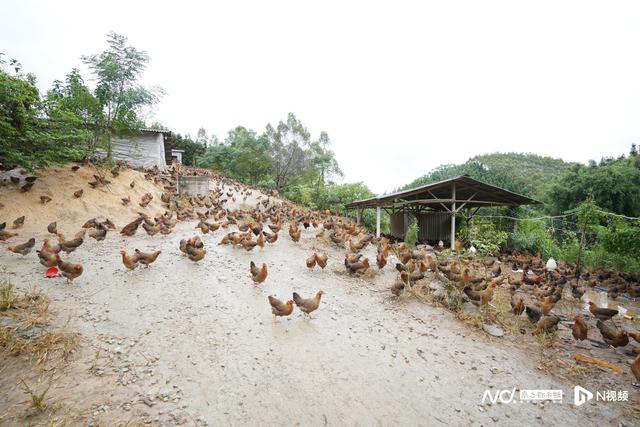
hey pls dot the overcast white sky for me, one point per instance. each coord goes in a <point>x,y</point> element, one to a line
<point>400,87</point>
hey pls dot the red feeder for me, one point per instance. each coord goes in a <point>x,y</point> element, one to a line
<point>51,272</point>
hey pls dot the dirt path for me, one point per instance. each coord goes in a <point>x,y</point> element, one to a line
<point>196,344</point>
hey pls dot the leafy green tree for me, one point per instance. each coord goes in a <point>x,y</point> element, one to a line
<point>243,155</point>
<point>72,106</point>
<point>32,134</point>
<point>117,70</point>
<point>613,184</point>
<point>191,148</point>
<point>289,142</point>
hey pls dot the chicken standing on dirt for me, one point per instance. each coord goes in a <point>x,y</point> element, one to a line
<point>24,248</point>
<point>307,306</point>
<point>130,229</point>
<point>53,227</point>
<point>311,262</point>
<point>69,270</point>
<point>129,261</point>
<point>321,259</point>
<point>146,258</point>
<point>546,324</point>
<point>580,328</point>
<point>18,222</point>
<point>278,308</point>
<point>517,305</point>
<point>69,246</point>
<point>635,368</point>
<point>601,313</point>
<point>611,336</point>
<point>258,275</point>
<point>196,254</point>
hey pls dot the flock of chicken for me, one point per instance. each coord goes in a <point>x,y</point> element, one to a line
<point>211,214</point>
<point>534,288</point>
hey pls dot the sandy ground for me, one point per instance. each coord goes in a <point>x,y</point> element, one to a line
<point>196,344</point>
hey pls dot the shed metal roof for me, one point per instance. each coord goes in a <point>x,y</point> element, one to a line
<point>468,190</point>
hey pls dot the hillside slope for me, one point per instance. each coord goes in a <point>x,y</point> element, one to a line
<point>524,173</point>
<point>60,183</point>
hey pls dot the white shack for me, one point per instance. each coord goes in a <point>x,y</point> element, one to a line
<point>147,148</point>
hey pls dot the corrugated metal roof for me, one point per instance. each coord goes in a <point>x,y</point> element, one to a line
<point>162,131</point>
<point>468,190</point>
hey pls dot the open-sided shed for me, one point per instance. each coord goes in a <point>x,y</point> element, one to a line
<point>438,203</point>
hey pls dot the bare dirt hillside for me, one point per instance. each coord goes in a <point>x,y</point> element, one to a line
<point>70,212</point>
<point>184,343</point>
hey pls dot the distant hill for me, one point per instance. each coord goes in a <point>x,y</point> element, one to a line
<point>524,173</point>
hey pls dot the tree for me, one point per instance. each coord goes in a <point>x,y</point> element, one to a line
<point>202,137</point>
<point>117,71</point>
<point>191,148</point>
<point>243,156</point>
<point>31,134</point>
<point>289,142</point>
<point>72,106</point>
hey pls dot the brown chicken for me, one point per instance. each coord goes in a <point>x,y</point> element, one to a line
<point>260,240</point>
<point>18,222</point>
<point>517,305</point>
<point>580,328</point>
<point>258,275</point>
<point>357,267</point>
<point>45,199</point>
<point>311,261</point>
<point>53,228</point>
<point>294,232</point>
<point>547,305</point>
<point>126,200</point>
<point>611,336</point>
<point>399,286</point>
<point>479,297</point>
<point>100,233</point>
<point>26,187</point>
<point>77,194</point>
<point>635,368</point>
<point>601,313</point>
<point>271,238</point>
<point>307,306</point>
<point>48,247</point>
<point>23,248</point>
<point>546,324</point>
<point>321,259</point>
<point>151,230</point>
<point>69,270</point>
<point>196,254</point>
<point>381,260</point>
<point>278,308</point>
<point>248,244</point>
<point>69,246</point>
<point>48,259</point>
<point>129,261</point>
<point>4,235</point>
<point>147,258</point>
<point>130,229</point>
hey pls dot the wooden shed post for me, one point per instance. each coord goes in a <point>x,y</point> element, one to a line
<point>377,221</point>
<point>453,216</point>
<point>357,216</point>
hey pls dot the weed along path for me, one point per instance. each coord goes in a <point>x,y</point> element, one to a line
<point>195,343</point>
